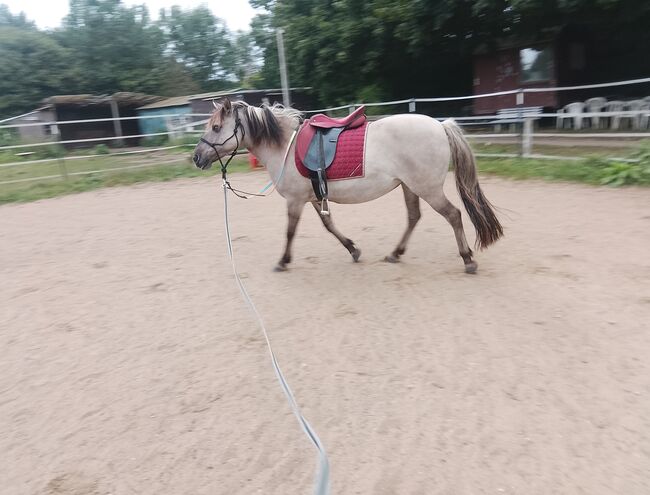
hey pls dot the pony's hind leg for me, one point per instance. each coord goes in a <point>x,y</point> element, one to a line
<point>294,210</point>
<point>442,205</point>
<point>329,225</point>
<point>413,209</point>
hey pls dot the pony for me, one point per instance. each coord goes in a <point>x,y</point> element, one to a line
<point>408,150</point>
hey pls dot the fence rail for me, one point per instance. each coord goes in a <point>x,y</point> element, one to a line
<point>526,134</point>
<point>520,91</point>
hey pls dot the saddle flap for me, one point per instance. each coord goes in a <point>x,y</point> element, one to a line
<point>305,136</point>
<point>322,149</point>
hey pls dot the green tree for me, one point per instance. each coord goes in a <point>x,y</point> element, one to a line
<point>241,61</point>
<point>8,19</point>
<point>201,42</point>
<point>263,35</point>
<point>33,67</point>
<point>349,49</point>
<point>116,48</point>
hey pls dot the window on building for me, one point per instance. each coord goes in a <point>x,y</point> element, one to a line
<point>536,64</point>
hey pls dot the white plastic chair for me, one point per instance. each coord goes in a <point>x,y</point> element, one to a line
<point>639,120</point>
<point>571,111</point>
<point>595,105</point>
<point>644,113</point>
<point>614,106</point>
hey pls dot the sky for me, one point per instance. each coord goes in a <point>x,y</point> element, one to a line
<point>49,13</point>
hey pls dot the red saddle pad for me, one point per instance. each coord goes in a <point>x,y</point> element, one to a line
<point>349,158</point>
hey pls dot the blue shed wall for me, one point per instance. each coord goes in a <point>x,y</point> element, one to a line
<point>152,126</point>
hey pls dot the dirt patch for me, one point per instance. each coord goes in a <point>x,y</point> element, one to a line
<point>127,354</point>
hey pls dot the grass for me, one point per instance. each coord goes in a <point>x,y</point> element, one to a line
<point>556,150</point>
<point>584,171</point>
<point>164,167</point>
<point>172,164</point>
<point>594,170</point>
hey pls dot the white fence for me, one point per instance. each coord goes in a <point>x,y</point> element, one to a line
<point>524,129</point>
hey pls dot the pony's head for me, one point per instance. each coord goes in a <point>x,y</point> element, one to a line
<point>224,133</point>
<point>237,124</point>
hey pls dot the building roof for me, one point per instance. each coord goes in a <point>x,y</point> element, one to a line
<point>216,94</point>
<point>176,101</point>
<point>122,98</point>
<point>241,91</point>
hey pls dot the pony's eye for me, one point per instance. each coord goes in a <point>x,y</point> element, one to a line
<point>216,128</point>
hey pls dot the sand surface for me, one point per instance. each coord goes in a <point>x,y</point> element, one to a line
<point>130,365</point>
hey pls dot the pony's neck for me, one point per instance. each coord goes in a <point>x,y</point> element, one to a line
<point>271,155</point>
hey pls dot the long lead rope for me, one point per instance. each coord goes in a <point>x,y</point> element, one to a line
<point>322,475</point>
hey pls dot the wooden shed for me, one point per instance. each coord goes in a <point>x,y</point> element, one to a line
<point>88,107</point>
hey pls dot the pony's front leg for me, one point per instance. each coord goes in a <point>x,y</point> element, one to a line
<point>294,208</point>
<point>328,223</point>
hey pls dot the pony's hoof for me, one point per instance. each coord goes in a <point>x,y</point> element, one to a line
<point>471,267</point>
<point>391,258</point>
<point>356,254</point>
<point>280,268</point>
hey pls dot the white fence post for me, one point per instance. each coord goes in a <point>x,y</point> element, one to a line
<point>117,124</point>
<point>527,137</point>
<point>412,105</point>
<point>54,131</point>
<point>520,116</point>
<point>351,109</point>
<point>169,127</point>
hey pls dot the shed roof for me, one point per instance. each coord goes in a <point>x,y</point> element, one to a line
<point>241,91</point>
<point>123,98</point>
<point>176,101</point>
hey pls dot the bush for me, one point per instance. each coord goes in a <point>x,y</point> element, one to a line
<point>9,137</point>
<point>154,141</point>
<point>629,173</point>
<point>189,139</point>
<point>101,149</point>
<point>54,150</point>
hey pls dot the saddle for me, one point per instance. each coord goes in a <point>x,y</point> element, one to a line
<point>316,147</point>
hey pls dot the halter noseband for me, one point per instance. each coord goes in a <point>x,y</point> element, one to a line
<point>238,125</point>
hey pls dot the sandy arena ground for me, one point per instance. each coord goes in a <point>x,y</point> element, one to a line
<point>130,365</point>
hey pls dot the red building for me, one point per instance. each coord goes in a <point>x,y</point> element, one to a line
<point>568,56</point>
<point>514,67</point>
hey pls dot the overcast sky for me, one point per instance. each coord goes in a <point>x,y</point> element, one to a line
<point>49,13</point>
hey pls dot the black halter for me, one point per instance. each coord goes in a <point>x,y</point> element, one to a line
<point>224,166</point>
<point>238,125</point>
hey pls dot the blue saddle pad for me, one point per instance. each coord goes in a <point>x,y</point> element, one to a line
<point>330,137</point>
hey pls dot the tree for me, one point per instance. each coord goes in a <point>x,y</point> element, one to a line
<point>8,19</point>
<point>355,49</point>
<point>175,79</point>
<point>241,62</point>
<point>116,48</point>
<point>34,66</point>
<point>263,35</point>
<point>199,41</point>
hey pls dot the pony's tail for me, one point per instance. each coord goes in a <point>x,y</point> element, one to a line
<point>479,209</point>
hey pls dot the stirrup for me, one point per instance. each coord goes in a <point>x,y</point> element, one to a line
<point>324,207</point>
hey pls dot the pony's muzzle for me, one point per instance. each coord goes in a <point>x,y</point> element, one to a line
<point>201,162</point>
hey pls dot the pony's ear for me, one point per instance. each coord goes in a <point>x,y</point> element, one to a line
<point>226,105</point>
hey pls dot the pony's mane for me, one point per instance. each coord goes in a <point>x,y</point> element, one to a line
<point>262,123</point>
